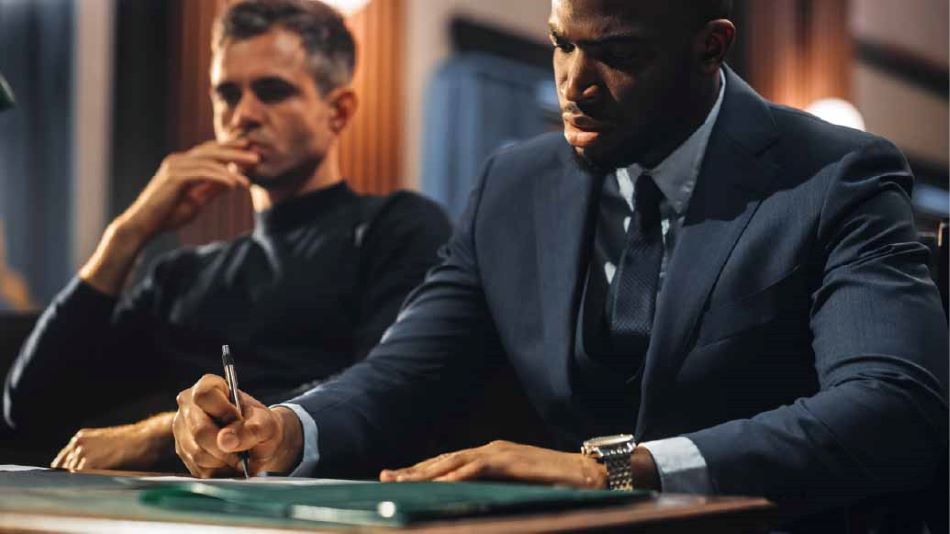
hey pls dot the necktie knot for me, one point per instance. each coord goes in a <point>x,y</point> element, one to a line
<point>647,197</point>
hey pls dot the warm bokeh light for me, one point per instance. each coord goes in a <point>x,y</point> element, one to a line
<point>348,7</point>
<point>837,111</point>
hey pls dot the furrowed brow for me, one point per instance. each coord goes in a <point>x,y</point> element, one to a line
<point>627,37</point>
<point>615,37</point>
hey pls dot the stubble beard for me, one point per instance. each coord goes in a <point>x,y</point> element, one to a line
<point>290,179</point>
<point>623,155</point>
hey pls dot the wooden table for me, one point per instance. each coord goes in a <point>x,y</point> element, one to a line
<point>665,513</point>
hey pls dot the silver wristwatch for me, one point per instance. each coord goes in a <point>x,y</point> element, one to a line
<point>614,452</point>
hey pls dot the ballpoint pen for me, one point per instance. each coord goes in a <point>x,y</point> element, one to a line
<point>230,375</point>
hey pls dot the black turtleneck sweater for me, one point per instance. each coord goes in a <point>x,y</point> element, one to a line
<point>301,298</point>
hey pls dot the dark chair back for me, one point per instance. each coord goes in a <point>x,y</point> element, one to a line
<point>14,329</point>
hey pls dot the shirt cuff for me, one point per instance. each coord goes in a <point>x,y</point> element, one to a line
<point>310,456</point>
<point>681,466</point>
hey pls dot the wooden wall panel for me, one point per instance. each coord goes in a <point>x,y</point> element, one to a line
<point>371,148</point>
<point>231,214</point>
<point>797,51</point>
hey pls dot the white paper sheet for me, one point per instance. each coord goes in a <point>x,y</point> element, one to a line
<point>9,468</point>
<point>287,481</point>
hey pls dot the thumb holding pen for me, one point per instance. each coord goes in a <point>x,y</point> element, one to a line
<point>209,433</point>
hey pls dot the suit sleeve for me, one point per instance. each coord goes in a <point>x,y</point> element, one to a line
<point>879,421</point>
<point>84,348</point>
<point>430,360</point>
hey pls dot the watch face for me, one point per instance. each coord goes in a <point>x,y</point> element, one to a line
<point>608,441</point>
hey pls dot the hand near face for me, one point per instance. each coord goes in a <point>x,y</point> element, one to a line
<point>503,460</point>
<point>209,434</point>
<point>186,182</point>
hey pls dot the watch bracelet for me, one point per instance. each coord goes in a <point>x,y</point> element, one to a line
<point>619,469</point>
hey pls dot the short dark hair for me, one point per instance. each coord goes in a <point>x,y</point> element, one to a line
<point>330,46</point>
<point>699,12</point>
<point>714,9</point>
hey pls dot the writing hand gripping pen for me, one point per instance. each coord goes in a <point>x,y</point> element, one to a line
<point>230,375</point>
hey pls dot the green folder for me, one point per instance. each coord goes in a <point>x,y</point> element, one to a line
<point>376,503</point>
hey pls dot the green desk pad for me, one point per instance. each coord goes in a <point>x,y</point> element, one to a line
<point>377,503</point>
<point>84,495</point>
<point>278,505</point>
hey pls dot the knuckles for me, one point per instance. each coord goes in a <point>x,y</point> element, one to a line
<point>171,161</point>
<point>81,437</point>
<point>477,466</point>
<point>207,382</point>
<point>201,397</point>
<point>204,389</point>
<point>177,421</point>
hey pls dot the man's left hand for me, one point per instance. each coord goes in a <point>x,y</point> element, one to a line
<point>503,460</point>
<point>136,446</point>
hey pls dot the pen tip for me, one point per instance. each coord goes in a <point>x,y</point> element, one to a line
<point>225,349</point>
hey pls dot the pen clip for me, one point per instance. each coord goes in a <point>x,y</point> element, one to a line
<point>230,376</point>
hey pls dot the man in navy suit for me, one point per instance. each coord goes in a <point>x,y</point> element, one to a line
<point>736,284</point>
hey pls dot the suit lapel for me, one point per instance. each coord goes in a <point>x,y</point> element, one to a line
<point>731,184</point>
<point>562,223</point>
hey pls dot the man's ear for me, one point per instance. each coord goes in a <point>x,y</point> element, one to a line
<point>343,105</point>
<point>713,42</point>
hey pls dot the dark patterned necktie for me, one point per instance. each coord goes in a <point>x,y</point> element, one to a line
<point>631,301</point>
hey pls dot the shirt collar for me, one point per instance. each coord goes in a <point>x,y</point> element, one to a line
<point>300,210</point>
<point>676,175</point>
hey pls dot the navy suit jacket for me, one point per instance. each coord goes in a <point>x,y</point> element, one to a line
<point>798,341</point>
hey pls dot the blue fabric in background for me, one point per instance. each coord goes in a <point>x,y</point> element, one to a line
<point>36,47</point>
<point>477,103</point>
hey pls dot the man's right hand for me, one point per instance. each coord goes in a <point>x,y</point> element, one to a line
<point>209,434</point>
<point>184,184</point>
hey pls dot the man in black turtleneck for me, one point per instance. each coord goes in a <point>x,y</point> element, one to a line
<point>301,298</point>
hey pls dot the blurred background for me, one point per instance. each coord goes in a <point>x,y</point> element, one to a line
<point>106,88</point>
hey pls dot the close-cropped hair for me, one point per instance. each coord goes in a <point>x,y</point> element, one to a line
<point>330,47</point>
<point>715,9</point>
